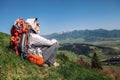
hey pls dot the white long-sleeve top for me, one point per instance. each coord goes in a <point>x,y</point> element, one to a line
<point>38,40</point>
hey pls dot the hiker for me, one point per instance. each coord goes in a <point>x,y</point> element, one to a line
<point>49,47</point>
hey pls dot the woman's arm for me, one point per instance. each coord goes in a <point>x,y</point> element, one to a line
<point>38,40</point>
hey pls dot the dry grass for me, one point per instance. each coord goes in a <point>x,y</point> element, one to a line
<point>83,63</point>
<point>113,73</point>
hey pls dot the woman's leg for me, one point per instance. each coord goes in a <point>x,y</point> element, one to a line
<point>49,54</point>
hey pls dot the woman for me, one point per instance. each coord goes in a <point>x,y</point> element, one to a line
<point>49,47</point>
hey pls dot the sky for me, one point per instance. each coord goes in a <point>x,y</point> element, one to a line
<point>62,15</point>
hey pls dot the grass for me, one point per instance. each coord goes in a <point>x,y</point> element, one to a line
<point>109,42</point>
<point>112,71</point>
<point>102,56</point>
<point>12,67</point>
<point>79,40</point>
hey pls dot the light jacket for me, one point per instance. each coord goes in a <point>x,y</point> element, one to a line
<point>38,40</point>
<point>35,38</point>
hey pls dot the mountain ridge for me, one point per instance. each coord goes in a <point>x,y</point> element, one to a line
<point>86,34</point>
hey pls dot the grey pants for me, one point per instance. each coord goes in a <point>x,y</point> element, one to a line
<point>49,54</point>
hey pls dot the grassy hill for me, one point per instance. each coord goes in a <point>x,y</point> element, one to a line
<point>12,67</point>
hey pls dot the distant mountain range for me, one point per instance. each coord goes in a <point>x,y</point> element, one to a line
<point>90,35</point>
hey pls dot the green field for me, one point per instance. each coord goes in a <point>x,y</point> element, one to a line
<point>108,42</point>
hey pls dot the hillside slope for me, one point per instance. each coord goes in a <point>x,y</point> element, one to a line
<point>87,49</point>
<point>12,67</point>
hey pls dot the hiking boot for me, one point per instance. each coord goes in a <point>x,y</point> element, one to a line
<point>45,65</point>
<point>55,64</point>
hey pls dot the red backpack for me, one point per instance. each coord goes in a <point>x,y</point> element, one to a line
<point>17,30</point>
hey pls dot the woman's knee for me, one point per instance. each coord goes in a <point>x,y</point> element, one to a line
<point>56,45</point>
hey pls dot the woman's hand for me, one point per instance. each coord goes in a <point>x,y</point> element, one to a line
<point>54,41</point>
